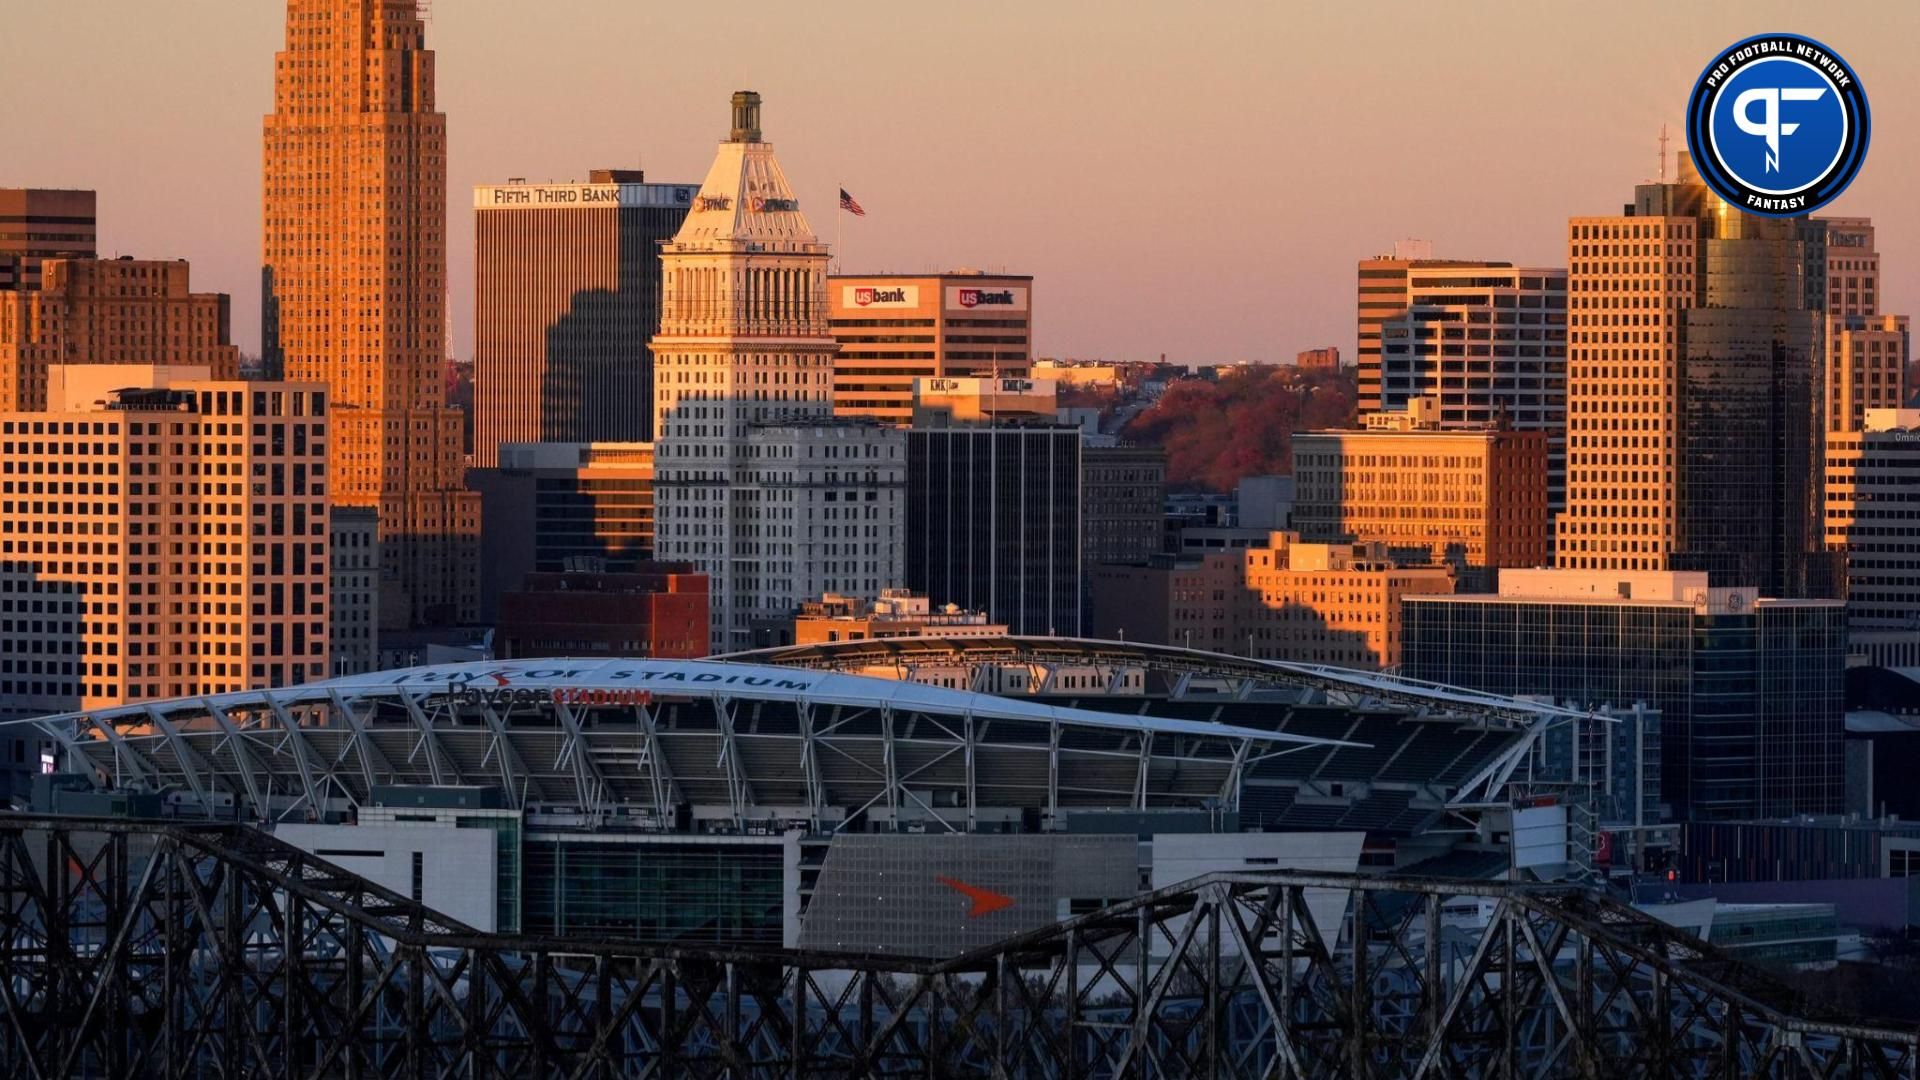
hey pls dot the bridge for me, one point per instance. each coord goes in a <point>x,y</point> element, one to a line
<point>181,949</point>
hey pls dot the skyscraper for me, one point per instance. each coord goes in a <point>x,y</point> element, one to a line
<point>754,482</point>
<point>1385,290</point>
<point>1693,393</point>
<point>566,297</point>
<point>1866,350</point>
<point>354,286</point>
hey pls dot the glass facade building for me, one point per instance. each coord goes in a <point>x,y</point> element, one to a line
<point>1750,693</point>
<point>993,523</point>
<point>688,891</point>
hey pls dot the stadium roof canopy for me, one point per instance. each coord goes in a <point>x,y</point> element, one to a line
<point>1178,668</point>
<point>667,740</point>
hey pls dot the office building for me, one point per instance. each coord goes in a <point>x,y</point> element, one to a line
<point>1750,690</point>
<point>1694,392</point>
<point>548,506</point>
<point>993,523</point>
<point>1489,345</point>
<point>1866,367</point>
<point>894,328</point>
<point>1123,496</point>
<point>894,613</point>
<point>353,590</point>
<point>657,609</point>
<point>566,297</point>
<point>755,483</point>
<point>1472,500</point>
<point>354,287</point>
<point>1282,600</point>
<point>163,534</point>
<point>1873,521</point>
<point>43,223</point>
<point>1386,291</point>
<point>1326,358</point>
<point>112,311</point>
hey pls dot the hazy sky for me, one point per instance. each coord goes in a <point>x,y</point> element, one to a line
<point>1189,178</point>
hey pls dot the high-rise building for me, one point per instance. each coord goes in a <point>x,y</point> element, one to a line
<point>566,297</point>
<point>41,223</point>
<point>1750,690</point>
<point>1386,290</point>
<point>993,523</point>
<point>549,506</point>
<point>1282,600</point>
<point>1873,521</point>
<point>1853,267</point>
<point>108,311</point>
<point>1489,345</point>
<point>165,535</point>
<point>1123,497</point>
<point>943,401</point>
<point>1472,500</point>
<point>895,328</point>
<point>1693,392</point>
<point>353,288</point>
<point>755,483</point>
<point>1866,367</point>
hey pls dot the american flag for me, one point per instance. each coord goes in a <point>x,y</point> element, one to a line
<point>847,204</point>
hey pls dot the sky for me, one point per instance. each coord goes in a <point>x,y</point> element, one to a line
<point>1193,179</point>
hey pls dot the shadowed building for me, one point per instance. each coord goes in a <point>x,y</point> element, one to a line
<point>757,484</point>
<point>549,505</point>
<point>656,609</point>
<point>354,287</point>
<point>567,294</point>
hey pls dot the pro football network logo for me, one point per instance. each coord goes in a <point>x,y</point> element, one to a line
<point>1778,125</point>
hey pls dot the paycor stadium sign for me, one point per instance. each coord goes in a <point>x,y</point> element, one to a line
<point>598,685</point>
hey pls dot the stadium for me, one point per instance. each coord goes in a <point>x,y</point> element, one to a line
<point>978,856</point>
<point>770,799</point>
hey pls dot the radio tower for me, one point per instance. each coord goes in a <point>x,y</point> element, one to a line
<point>1663,149</point>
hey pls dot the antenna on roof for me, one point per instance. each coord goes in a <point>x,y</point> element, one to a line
<point>1663,153</point>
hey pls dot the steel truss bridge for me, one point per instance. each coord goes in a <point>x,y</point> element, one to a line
<point>148,949</point>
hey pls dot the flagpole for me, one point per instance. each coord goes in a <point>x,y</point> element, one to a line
<point>839,216</point>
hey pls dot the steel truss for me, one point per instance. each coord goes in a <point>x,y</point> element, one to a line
<point>138,949</point>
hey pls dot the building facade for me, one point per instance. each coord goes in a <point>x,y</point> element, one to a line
<point>108,311</point>
<point>993,523</point>
<point>1489,345</point>
<point>566,297</point>
<point>656,609</point>
<point>1472,500</point>
<point>1693,390</point>
<point>895,328</point>
<point>1750,690</point>
<point>551,506</point>
<point>1866,367</point>
<point>1123,497</point>
<point>1325,358</point>
<point>163,540</point>
<point>1386,291</point>
<point>753,478</point>
<point>354,287</point>
<point>1873,521</point>
<point>43,223</point>
<point>353,590</point>
<point>1285,600</point>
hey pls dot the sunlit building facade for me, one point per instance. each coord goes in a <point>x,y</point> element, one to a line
<point>895,329</point>
<point>353,288</point>
<point>43,223</point>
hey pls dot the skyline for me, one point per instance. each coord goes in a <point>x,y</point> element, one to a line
<point>1210,277</point>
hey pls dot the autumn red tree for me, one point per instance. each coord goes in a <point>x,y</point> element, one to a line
<point>1217,432</point>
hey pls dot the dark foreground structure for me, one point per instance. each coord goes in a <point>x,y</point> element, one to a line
<point>147,949</point>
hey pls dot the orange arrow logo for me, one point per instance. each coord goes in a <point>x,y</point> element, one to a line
<point>985,901</point>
